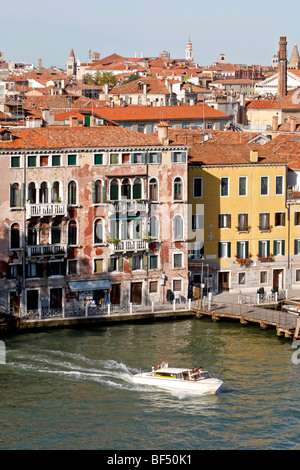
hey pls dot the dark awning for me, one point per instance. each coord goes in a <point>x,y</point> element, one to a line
<point>99,284</point>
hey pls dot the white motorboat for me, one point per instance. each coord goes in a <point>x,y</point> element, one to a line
<point>177,379</point>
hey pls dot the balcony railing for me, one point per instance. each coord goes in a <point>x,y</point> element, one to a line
<point>129,245</point>
<point>47,209</point>
<point>46,250</point>
<point>293,195</point>
<point>130,206</point>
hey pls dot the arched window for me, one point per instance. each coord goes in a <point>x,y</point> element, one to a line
<point>153,189</point>
<point>153,227</point>
<point>114,190</point>
<point>55,233</point>
<point>178,189</point>
<point>56,196</point>
<point>126,189</point>
<point>98,231</point>
<point>32,234</point>
<point>98,192</point>
<point>177,227</point>
<point>15,195</point>
<point>15,236</point>
<point>31,193</point>
<point>72,233</point>
<point>72,193</point>
<point>137,188</point>
<point>44,193</point>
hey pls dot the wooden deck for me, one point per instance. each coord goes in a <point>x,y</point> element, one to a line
<point>285,323</point>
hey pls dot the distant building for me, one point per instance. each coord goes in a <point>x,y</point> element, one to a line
<point>189,51</point>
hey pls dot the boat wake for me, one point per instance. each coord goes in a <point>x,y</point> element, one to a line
<point>74,366</point>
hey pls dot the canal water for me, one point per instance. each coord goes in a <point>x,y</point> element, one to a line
<point>72,389</point>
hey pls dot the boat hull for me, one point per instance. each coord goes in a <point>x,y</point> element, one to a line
<point>206,386</point>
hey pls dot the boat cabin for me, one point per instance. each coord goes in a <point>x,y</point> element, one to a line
<point>180,374</point>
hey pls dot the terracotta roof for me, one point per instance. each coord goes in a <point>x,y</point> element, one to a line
<point>76,138</point>
<point>154,86</point>
<point>158,113</point>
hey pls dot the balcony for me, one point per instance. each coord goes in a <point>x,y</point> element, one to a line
<point>46,250</point>
<point>46,210</point>
<point>130,206</point>
<point>293,195</point>
<point>121,246</point>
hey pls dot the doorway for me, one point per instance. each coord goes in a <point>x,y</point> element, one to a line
<point>115,294</point>
<point>136,292</point>
<point>223,280</point>
<point>278,278</point>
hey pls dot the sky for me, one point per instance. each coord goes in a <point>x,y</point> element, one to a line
<point>247,32</point>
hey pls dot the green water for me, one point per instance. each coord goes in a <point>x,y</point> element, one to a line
<point>72,389</point>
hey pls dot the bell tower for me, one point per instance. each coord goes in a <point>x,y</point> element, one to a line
<point>189,51</point>
<point>282,68</point>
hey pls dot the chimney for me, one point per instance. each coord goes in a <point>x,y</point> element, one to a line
<point>292,124</point>
<point>163,131</point>
<point>253,156</point>
<point>275,123</point>
<point>282,68</point>
<point>73,121</point>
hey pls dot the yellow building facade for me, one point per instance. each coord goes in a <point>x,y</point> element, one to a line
<point>246,237</point>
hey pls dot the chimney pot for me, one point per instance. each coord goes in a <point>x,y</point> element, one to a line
<point>253,156</point>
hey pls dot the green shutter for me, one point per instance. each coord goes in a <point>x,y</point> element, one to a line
<point>130,263</point>
<point>219,249</point>
<point>120,265</point>
<point>259,249</point>
<point>22,198</point>
<point>268,247</point>
<point>145,262</point>
<point>104,192</point>
<point>229,220</point>
<point>159,157</point>
<point>183,157</point>
<point>275,248</point>
<point>219,220</point>
<point>295,247</point>
<point>247,249</point>
<point>283,219</point>
<point>143,159</point>
<point>229,249</point>
<point>238,248</point>
<point>172,157</point>
<point>283,247</point>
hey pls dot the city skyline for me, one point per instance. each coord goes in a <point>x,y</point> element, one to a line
<point>32,32</point>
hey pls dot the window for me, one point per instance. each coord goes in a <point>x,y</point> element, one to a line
<point>242,186</point>
<point>31,161</point>
<point>136,262</point>
<point>153,285</point>
<point>72,193</point>
<point>56,192</point>
<point>126,189</point>
<point>72,160</point>
<point>137,188</point>
<point>43,193</point>
<point>154,157</point>
<point>177,260</point>
<point>114,158</point>
<point>224,249</point>
<point>264,185</point>
<point>15,236</point>
<point>32,234</point>
<point>264,221</point>
<point>224,186</point>
<point>98,231</point>
<point>153,227</point>
<point>98,266</point>
<point>242,249</point>
<point>72,266</point>
<point>177,285</point>
<point>72,232</point>
<point>297,275</point>
<point>224,220</point>
<point>114,190</point>
<point>34,270</point>
<point>15,162</point>
<point>44,160</point>
<point>264,248</point>
<point>153,189</point>
<point>138,157</point>
<point>197,187</point>
<point>279,219</point>
<point>56,298</point>
<point>197,221</point>
<point>97,192</point>
<point>153,261</point>
<point>263,277</point>
<point>56,160</point>
<point>178,189</point>
<point>243,222</point>
<point>15,270</point>
<point>279,185</point>
<point>297,247</point>
<point>197,250</point>
<point>297,218</point>
<point>55,233</point>
<point>241,279</point>
<point>279,247</point>
<point>56,268</point>
<point>178,157</point>
<point>115,264</point>
<point>31,193</point>
<point>15,195</point>
<point>177,227</point>
<point>98,159</point>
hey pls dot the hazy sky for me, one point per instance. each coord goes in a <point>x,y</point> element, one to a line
<point>246,31</point>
